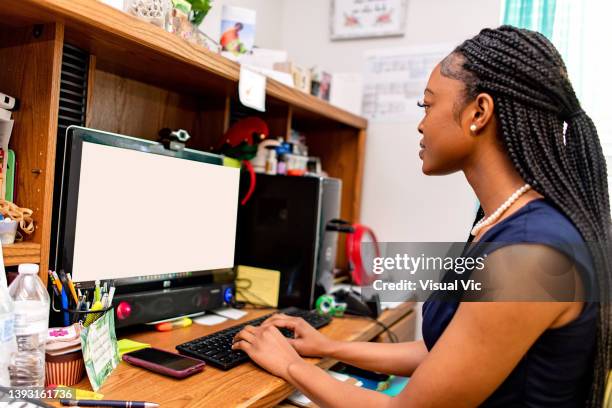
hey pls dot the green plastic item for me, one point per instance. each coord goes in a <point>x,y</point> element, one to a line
<point>10,176</point>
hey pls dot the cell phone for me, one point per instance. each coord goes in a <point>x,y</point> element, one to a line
<point>164,362</point>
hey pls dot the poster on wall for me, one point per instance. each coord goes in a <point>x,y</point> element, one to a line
<point>352,19</point>
<point>394,80</point>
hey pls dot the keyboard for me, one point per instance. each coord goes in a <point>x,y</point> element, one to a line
<point>216,348</point>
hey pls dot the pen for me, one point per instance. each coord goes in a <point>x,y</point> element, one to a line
<point>65,307</point>
<point>107,403</point>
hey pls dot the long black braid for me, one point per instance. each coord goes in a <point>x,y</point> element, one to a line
<point>534,101</point>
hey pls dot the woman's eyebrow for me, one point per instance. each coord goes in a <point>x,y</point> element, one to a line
<point>428,90</point>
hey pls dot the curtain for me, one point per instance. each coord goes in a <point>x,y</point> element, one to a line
<point>538,15</point>
<point>582,32</point>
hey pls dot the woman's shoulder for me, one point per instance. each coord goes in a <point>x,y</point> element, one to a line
<point>539,221</point>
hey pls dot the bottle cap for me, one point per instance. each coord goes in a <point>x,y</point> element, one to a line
<point>28,269</point>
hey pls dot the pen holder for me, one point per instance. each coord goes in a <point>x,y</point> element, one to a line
<point>66,369</point>
<point>68,316</point>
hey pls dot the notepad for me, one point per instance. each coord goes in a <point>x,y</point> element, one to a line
<point>257,286</point>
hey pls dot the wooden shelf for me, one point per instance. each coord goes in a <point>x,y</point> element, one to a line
<point>130,47</point>
<point>22,252</point>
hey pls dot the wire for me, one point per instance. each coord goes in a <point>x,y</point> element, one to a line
<point>246,293</point>
<point>392,336</point>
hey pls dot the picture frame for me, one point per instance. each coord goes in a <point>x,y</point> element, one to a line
<point>357,19</point>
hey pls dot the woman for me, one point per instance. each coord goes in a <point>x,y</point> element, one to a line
<point>496,108</point>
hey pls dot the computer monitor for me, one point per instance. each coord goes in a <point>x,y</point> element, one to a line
<point>139,214</point>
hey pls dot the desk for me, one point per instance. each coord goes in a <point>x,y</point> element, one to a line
<point>243,386</point>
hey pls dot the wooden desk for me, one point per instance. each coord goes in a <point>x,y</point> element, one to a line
<point>243,386</point>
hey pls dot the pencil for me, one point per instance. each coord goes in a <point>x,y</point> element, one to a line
<point>72,290</point>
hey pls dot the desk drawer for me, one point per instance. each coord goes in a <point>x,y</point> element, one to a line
<point>404,329</point>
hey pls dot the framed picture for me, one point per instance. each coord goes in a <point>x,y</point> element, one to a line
<point>352,19</point>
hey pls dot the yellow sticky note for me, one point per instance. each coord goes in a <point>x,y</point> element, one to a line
<point>257,286</point>
<point>127,346</point>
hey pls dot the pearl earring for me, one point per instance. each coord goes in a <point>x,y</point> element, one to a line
<point>473,128</point>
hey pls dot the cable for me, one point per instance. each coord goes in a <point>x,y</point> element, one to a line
<point>244,291</point>
<point>392,336</point>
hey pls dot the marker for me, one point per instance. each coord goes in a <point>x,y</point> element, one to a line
<point>97,291</point>
<point>176,324</point>
<point>78,393</point>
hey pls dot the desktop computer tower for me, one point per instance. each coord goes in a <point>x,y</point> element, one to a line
<point>282,227</point>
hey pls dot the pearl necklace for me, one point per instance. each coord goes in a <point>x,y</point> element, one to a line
<point>485,222</point>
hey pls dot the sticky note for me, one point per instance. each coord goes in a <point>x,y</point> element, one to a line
<point>257,286</point>
<point>127,346</point>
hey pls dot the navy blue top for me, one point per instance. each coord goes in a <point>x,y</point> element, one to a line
<point>556,371</point>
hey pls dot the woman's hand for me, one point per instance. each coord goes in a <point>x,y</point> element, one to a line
<point>307,341</point>
<point>267,347</point>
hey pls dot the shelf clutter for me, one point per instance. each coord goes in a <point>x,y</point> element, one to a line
<point>139,78</point>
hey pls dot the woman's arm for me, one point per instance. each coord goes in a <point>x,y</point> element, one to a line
<point>397,359</point>
<point>481,346</point>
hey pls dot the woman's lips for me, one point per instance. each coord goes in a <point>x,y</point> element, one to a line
<point>422,151</point>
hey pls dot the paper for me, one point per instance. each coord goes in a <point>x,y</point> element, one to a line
<point>252,89</point>
<point>346,92</point>
<point>6,127</point>
<point>257,286</point>
<point>100,354</point>
<point>209,320</point>
<point>128,346</point>
<point>230,313</point>
<point>394,80</point>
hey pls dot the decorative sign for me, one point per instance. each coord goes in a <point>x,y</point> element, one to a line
<point>367,18</point>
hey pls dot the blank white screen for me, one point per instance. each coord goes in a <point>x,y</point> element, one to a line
<point>142,214</point>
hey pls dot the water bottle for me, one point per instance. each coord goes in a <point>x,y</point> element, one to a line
<point>31,300</point>
<point>7,331</point>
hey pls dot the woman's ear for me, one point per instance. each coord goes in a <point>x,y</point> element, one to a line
<point>481,112</point>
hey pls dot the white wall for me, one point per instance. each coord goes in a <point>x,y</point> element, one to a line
<point>399,202</point>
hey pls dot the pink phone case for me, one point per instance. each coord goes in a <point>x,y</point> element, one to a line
<point>160,369</point>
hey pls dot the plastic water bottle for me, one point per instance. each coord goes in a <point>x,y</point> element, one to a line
<point>7,330</point>
<point>27,366</point>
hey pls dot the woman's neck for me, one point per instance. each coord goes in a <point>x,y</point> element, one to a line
<point>494,179</point>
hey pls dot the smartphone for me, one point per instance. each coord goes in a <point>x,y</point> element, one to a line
<point>164,362</point>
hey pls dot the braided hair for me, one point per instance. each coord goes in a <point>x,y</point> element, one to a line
<point>551,141</point>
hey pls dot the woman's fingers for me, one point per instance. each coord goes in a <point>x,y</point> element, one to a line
<point>282,321</point>
<point>248,334</point>
<point>242,345</point>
